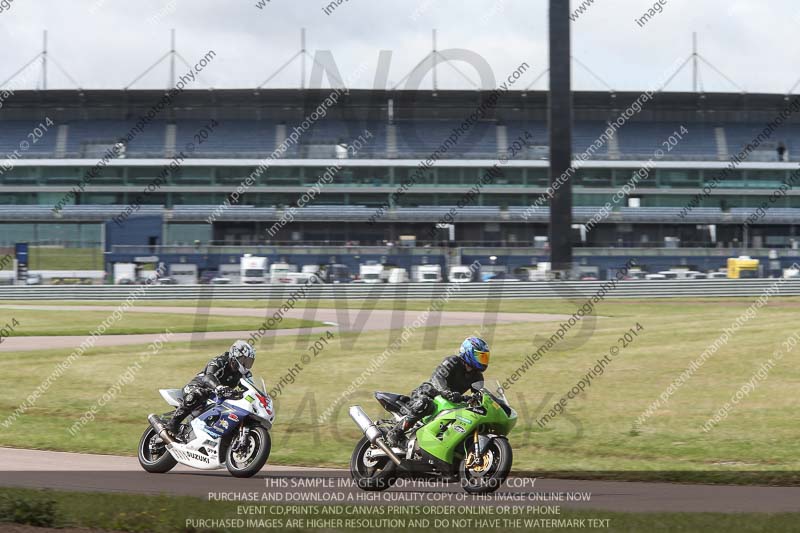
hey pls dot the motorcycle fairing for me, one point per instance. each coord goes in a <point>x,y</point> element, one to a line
<point>222,420</point>
<point>200,452</point>
<point>172,396</point>
<point>444,432</point>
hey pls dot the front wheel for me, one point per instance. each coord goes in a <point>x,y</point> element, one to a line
<point>248,459</point>
<point>487,473</point>
<point>371,473</point>
<point>153,454</point>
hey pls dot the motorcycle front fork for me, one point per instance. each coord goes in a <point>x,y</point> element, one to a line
<point>475,456</point>
<point>241,440</point>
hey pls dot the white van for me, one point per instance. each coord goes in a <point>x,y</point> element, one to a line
<point>398,275</point>
<point>460,274</point>
<point>429,273</point>
<point>183,273</point>
<point>279,272</point>
<point>371,273</point>
<point>253,269</point>
<point>310,269</point>
<point>681,274</point>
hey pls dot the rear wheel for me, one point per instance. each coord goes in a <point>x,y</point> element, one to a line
<point>251,456</point>
<point>371,473</point>
<point>487,473</point>
<point>153,454</point>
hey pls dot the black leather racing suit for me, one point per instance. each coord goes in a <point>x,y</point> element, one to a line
<point>196,393</point>
<point>450,379</point>
<point>453,375</point>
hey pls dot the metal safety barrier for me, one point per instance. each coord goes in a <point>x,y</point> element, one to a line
<point>358,291</point>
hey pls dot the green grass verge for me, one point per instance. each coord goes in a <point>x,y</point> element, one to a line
<point>36,322</point>
<point>162,514</point>
<point>610,307</point>
<point>504,305</point>
<point>47,258</point>
<point>596,434</point>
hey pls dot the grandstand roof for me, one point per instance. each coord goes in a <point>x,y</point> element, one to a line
<point>293,103</point>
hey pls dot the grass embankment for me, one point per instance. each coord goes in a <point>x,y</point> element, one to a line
<point>508,305</point>
<point>596,434</point>
<point>163,514</point>
<point>55,258</point>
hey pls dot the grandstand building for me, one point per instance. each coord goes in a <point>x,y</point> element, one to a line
<point>73,166</point>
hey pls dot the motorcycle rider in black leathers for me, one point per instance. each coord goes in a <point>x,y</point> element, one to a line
<point>451,379</point>
<point>219,377</point>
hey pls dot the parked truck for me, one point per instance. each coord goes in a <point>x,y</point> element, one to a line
<point>743,267</point>
<point>183,273</point>
<point>371,273</point>
<point>398,275</point>
<point>336,273</point>
<point>253,269</point>
<point>125,273</point>
<point>279,272</point>
<point>429,273</point>
<point>231,272</point>
<point>460,274</point>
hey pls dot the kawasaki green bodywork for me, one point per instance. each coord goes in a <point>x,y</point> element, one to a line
<point>451,424</point>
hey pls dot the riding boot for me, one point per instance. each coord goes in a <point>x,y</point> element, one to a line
<point>396,436</point>
<point>173,425</point>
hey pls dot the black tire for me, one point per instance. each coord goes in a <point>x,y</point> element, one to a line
<point>259,446</point>
<point>495,474</point>
<point>380,476</point>
<point>155,464</point>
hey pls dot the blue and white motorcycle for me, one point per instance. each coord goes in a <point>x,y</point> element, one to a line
<point>231,431</point>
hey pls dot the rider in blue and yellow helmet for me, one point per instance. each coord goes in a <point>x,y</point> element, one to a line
<point>451,379</point>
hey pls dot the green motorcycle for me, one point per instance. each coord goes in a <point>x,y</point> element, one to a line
<point>465,441</point>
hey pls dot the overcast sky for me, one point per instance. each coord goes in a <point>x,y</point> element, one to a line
<point>107,43</point>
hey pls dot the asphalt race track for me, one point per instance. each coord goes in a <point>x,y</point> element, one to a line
<point>105,473</point>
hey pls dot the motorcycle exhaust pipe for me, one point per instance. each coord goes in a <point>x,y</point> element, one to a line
<point>160,429</point>
<point>371,431</point>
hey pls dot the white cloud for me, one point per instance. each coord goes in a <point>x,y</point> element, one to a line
<point>107,43</point>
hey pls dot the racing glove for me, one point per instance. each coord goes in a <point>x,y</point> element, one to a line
<point>454,397</point>
<point>222,391</point>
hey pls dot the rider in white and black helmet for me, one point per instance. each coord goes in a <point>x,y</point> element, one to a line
<point>218,377</point>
